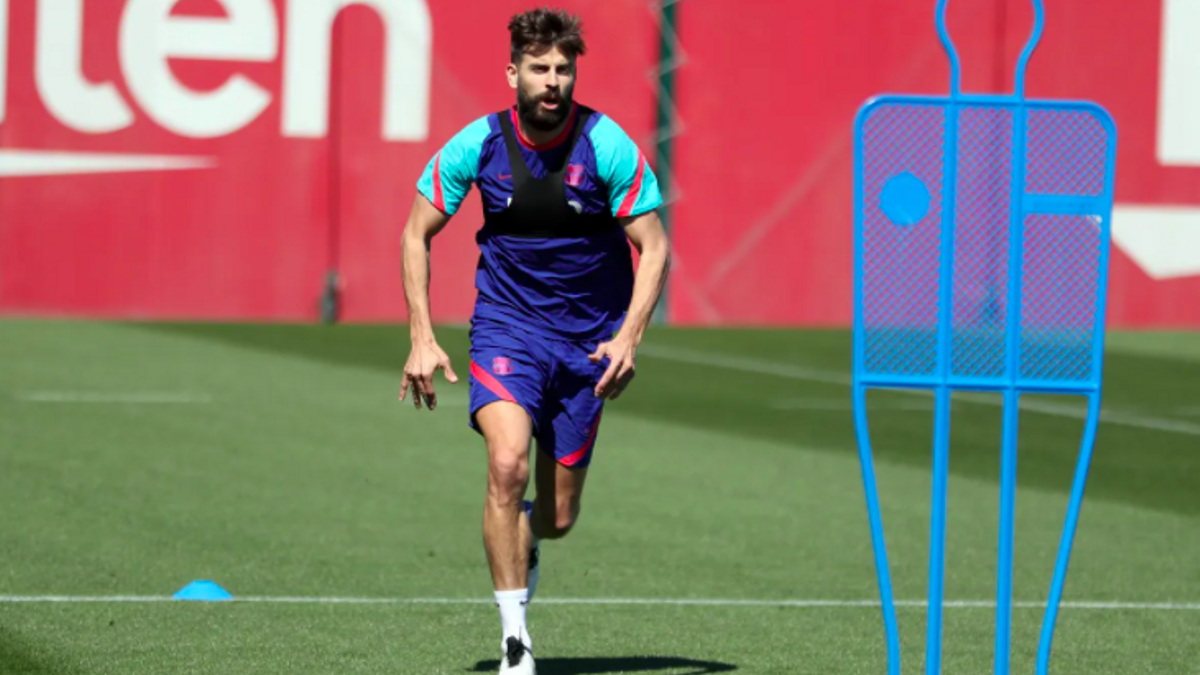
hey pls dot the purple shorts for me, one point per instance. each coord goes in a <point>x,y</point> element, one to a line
<point>553,380</point>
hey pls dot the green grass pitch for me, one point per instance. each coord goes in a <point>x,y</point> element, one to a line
<point>277,462</point>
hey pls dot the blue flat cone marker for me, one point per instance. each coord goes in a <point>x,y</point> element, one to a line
<point>202,590</point>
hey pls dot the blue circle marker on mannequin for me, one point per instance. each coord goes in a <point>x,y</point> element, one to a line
<point>905,199</point>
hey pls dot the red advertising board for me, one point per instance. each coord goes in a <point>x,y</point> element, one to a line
<point>216,158</point>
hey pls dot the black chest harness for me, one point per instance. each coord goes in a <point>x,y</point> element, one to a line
<point>539,207</point>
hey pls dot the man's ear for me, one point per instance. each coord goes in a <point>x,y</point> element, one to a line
<point>511,72</point>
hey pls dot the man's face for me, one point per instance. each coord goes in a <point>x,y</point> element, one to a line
<point>545,86</point>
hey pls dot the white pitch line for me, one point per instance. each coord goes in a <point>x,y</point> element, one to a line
<point>84,598</point>
<point>1046,407</point>
<point>745,364</point>
<point>137,397</point>
<point>675,602</point>
<point>846,405</point>
<point>822,376</point>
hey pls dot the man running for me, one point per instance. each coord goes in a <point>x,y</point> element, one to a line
<point>560,311</point>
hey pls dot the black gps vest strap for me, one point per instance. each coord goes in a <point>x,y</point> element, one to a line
<point>539,206</point>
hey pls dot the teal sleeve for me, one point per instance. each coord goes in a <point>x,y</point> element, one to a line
<point>632,186</point>
<point>450,173</point>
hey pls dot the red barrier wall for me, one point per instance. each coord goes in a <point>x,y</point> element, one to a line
<point>765,166</point>
<point>180,217</point>
<point>225,183</point>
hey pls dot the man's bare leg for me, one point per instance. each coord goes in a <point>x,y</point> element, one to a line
<point>507,430</point>
<point>559,495</point>
<point>554,510</point>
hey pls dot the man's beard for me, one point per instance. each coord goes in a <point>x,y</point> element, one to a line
<point>534,116</point>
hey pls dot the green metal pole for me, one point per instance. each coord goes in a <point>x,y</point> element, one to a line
<point>667,40</point>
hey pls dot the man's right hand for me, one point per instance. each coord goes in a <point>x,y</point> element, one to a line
<point>426,357</point>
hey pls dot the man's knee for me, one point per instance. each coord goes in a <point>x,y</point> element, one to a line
<point>506,429</point>
<point>508,472</point>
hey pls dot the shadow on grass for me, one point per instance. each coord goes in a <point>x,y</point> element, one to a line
<point>615,664</point>
<point>17,657</point>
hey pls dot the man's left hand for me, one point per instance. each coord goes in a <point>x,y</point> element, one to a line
<point>620,371</point>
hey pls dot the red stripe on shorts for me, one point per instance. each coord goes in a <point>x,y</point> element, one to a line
<point>485,378</point>
<point>577,456</point>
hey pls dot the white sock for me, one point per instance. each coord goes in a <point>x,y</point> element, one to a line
<point>512,614</point>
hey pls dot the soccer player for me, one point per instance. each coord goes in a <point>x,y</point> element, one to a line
<point>559,312</point>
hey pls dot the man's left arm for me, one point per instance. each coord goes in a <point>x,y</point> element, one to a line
<point>649,237</point>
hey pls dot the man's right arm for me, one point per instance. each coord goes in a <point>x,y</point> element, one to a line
<point>424,222</point>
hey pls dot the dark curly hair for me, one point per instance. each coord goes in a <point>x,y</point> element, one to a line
<point>538,30</point>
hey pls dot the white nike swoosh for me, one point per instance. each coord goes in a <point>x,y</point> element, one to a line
<point>60,163</point>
